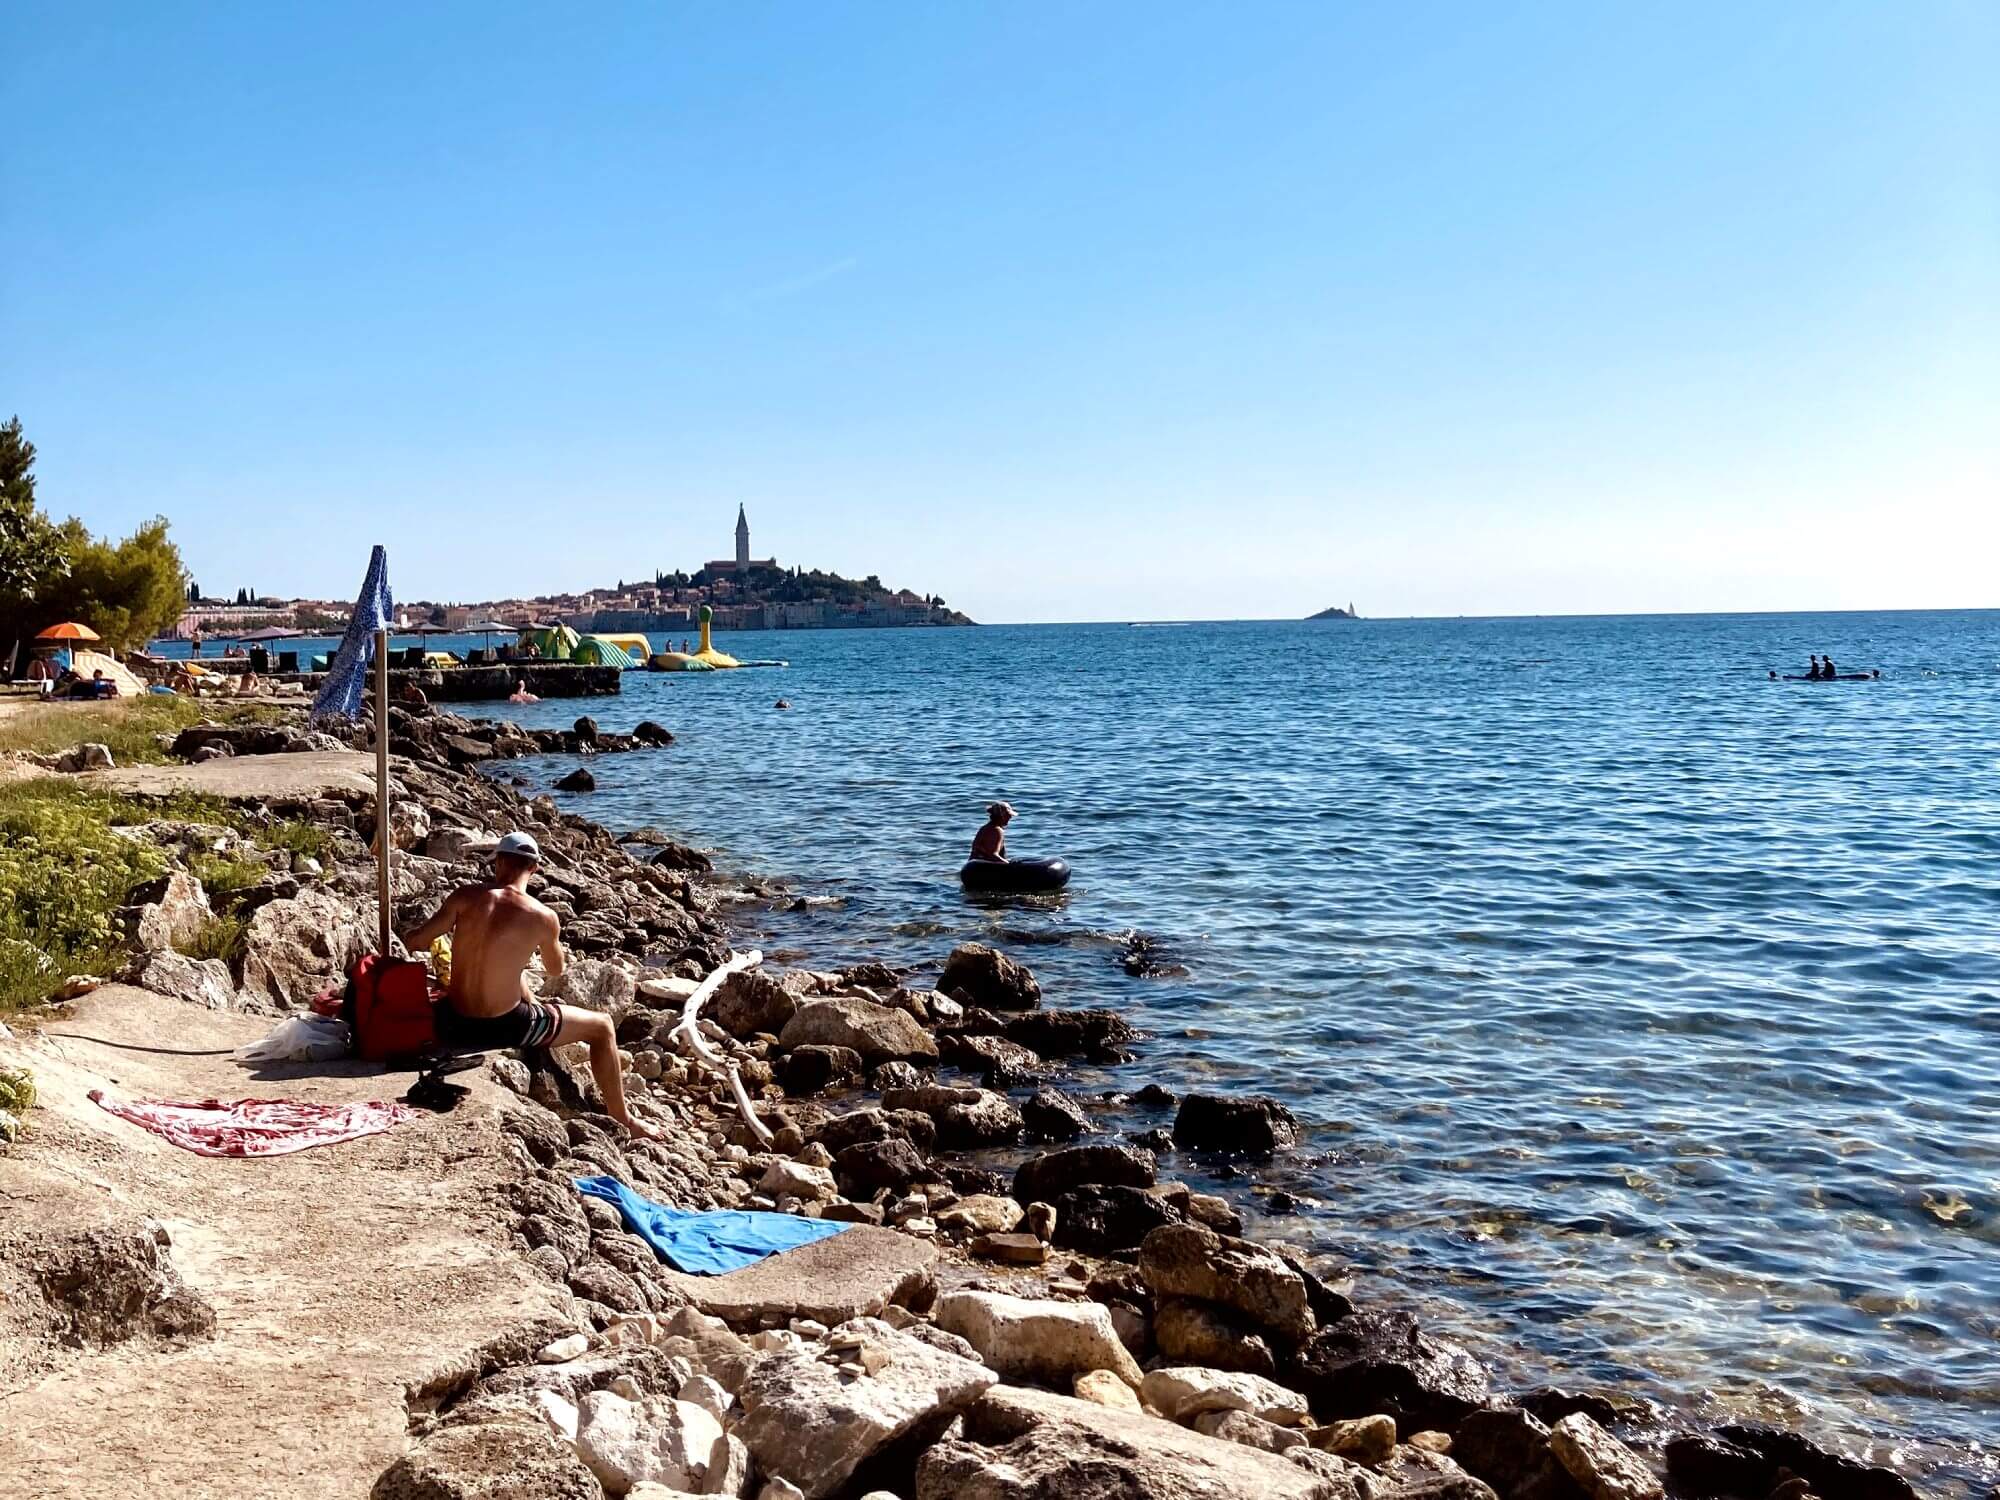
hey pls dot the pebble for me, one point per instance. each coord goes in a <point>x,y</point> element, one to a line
<point>563,1350</point>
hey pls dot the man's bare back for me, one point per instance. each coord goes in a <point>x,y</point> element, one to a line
<point>496,931</point>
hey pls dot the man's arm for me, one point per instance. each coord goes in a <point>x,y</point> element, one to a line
<point>445,919</point>
<point>552,954</point>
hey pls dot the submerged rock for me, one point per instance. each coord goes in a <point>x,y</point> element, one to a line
<point>1041,1178</point>
<point>1248,1124</point>
<point>989,978</point>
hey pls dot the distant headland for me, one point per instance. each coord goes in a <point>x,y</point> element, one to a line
<point>1335,612</point>
<point>745,593</point>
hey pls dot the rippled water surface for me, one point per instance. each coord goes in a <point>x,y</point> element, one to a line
<point>1646,1012</point>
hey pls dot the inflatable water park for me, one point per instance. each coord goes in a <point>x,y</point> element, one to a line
<point>707,658</point>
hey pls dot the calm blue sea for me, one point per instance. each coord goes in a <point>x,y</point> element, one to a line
<point>1645,1011</point>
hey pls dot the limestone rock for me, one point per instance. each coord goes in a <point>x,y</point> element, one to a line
<point>878,1033</point>
<point>597,984</point>
<point>1023,1444</point>
<point>1250,1124</point>
<point>488,1461</point>
<point>1509,1449</point>
<point>989,979</point>
<point>1010,1249</point>
<point>791,1179</point>
<point>980,1213</point>
<point>806,1421</point>
<point>1105,1389</point>
<point>1252,1432</point>
<point>200,981</point>
<point>1603,1466</point>
<point>859,1272</point>
<point>292,949</point>
<point>966,1118</point>
<point>1049,1342</point>
<point>1184,1392</point>
<point>1188,1260</point>
<point>171,911</point>
<point>1095,1034</point>
<point>868,1165</point>
<point>625,1442</point>
<point>1200,1333</point>
<point>751,1001</point>
<point>1041,1178</point>
<point>1364,1440</point>
<point>579,780</point>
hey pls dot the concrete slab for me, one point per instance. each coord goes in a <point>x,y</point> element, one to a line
<point>855,1274</point>
<point>310,773</point>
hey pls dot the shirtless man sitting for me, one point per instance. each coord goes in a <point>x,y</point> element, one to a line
<point>496,928</point>
<point>990,843</point>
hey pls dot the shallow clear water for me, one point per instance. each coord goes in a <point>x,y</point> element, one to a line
<point>1646,1012</point>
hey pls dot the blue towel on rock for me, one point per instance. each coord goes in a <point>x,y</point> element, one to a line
<point>707,1244</point>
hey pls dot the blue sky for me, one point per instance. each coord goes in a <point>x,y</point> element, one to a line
<point>1079,311</point>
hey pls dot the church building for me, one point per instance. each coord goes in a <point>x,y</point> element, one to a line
<point>743,561</point>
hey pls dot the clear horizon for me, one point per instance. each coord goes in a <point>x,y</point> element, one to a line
<point>1124,312</point>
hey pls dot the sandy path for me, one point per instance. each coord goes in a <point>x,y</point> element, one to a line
<point>337,1274</point>
<point>307,774</point>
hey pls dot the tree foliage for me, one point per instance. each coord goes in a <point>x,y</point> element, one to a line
<point>127,591</point>
<point>31,550</point>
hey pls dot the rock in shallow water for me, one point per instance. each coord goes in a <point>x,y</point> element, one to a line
<point>1188,1260</point>
<point>1041,1178</point>
<point>1604,1467</point>
<point>1248,1124</point>
<point>989,978</point>
<point>1380,1360</point>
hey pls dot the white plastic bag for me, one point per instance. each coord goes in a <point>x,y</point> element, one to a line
<point>299,1039</point>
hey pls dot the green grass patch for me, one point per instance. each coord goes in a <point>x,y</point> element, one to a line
<point>222,877</point>
<point>296,836</point>
<point>126,726</point>
<point>218,937</point>
<point>64,873</point>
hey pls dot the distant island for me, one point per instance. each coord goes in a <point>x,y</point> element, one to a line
<point>1335,612</point>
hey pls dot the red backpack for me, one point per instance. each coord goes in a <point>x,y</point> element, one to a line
<point>389,1008</point>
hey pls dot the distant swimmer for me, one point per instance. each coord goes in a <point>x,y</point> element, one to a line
<point>1827,669</point>
<point>1814,674</point>
<point>990,843</point>
<point>521,693</point>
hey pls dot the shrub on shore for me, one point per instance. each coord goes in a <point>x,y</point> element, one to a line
<point>220,936</point>
<point>63,875</point>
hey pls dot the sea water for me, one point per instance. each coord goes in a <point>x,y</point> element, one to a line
<point>1643,1011</point>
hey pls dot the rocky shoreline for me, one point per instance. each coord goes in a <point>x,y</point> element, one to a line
<point>1080,1328</point>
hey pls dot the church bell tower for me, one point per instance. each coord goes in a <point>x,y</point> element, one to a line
<point>742,541</point>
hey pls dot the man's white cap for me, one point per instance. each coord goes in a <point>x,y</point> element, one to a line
<point>522,845</point>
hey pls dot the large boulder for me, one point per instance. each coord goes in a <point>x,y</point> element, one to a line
<point>598,984</point>
<point>200,981</point>
<point>626,1443</point>
<point>489,1461</point>
<point>966,1118</point>
<point>751,1001</point>
<point>857,1273</point>
<point>293,949</point>
<point>171,910</point>
<point>1380,1360</point>
<point>1040,1178</point>
<point>1048,1342</point>
<point>1100,1220</point>
<point>1183,1392</point>
<point>1023,1444</point>
<point>1095,1034</point>
<point>1190,1260</point>
<point>1245,1124</point>
<point>1052,1115</point>
<point>868,1166</point>
<point>805,1421</point>
<point>988,978</point>
<point>875,1031</point>
<point>838,1132</point>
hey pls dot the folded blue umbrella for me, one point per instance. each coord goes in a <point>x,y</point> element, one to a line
<point>707,1244</point>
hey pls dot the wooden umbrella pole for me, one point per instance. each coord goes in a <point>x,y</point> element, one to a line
<point>383,842</point>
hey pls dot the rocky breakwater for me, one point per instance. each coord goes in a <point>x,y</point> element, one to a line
<point>1079,1328</point>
